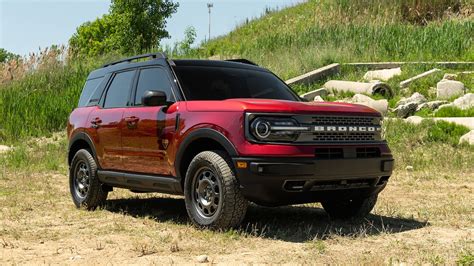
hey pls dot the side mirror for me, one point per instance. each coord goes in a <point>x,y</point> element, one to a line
<point>154,98</point>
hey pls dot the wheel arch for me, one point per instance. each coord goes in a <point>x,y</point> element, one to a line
<point>197,141</point>
<point>80,141</point>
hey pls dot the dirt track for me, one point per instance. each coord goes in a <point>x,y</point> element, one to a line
<point>423,221</point>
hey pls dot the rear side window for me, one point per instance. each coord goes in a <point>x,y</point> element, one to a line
<point>153,79</point>
<point>88,90</point>
<point>119,90</point>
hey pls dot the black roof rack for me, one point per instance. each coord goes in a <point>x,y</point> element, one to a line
<point>129,59</point>
<point>243,61</point>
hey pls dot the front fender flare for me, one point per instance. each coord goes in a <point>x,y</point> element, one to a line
<point>203,133</point>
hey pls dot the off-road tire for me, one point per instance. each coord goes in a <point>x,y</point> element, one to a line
<point>232,206</point>
<point>96,194</point>
<point>350,209</point>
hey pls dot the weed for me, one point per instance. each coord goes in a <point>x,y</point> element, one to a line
<point>454,112</point>
<point>318,245</point>
<point>466,258</point>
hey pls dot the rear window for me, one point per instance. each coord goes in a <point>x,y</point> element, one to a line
<point>88,90</point>
<point>220,83</point>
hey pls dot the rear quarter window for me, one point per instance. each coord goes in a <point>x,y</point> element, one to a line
<point>89,88</point>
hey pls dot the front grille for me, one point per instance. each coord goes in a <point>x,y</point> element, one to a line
<point>343,137</point>
<point>342,120</point>
<point>339,129</point>
<point>346,153</point>
<point>342,184</point>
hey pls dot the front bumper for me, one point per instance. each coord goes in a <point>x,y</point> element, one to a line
<point>283,181</point>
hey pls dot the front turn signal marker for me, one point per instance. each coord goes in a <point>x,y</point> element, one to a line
<point>241,164</point>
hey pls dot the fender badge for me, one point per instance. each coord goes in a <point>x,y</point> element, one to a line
<point>165,143</point>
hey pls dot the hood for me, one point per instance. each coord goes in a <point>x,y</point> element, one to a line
<point>279,106</point>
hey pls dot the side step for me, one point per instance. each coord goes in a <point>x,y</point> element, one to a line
<point>145,183</point>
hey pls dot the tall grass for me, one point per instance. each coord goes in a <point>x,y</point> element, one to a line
<point>312,34</point>
<point>38,93</point>
<point>40,102</point>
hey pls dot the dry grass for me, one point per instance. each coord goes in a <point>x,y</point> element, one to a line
<point>47,58</point>
<point>417,220</point>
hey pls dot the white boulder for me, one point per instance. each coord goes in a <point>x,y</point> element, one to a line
<point>467,138</point>
<point>310,95</point>
<point>4,149</point>
<point>446,89</point>
<point>405,110</point>
<point>417,98</point>
<point>202,259</point>
<point>382,74</point>
<point>416,120</point>
<point>433,105</point>
<point>465,102</point>
<point>450,76</point>
<point>318,99</point>
<point>380,105</point>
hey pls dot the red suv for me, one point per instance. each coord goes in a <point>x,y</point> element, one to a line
<point>221,133</point>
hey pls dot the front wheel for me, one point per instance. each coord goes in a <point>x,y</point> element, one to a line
<point>212,195</point>
<point>350,208</point>
<point>86,189</point>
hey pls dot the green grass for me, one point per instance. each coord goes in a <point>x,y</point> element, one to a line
<point>289,42</point>
<point>466,258</point>
<point>37,155</point>
<point>301,38</point>
<point>447,112</point>
<point>40,103</point>
<point>427,145</point>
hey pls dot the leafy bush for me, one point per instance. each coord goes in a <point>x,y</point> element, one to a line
<point>442,131</point>
<point>400,132</point>
<point>428,145</point>
<point>131,27</point>
<point>454,112</point>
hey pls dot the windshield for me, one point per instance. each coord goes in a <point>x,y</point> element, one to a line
<point>220,83</point>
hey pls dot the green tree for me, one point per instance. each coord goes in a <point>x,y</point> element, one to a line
<point>189,38</point>
<point>6,55</point>
<point>95,38</point>
<point>131,26</point>
<point>141,24</point>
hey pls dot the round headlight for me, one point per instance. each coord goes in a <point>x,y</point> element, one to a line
<point>262,128</point>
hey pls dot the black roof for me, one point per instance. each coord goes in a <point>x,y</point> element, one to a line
<point>160,59</point>
<point>216,63</point>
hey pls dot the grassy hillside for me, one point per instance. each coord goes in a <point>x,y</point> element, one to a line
<point>289,42</point>
<point>309,35</point>
<point>424,216</point>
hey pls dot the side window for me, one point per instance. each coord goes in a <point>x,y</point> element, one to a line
<point>153,79</point>
<point>119,90</point>
<point>88,90</point>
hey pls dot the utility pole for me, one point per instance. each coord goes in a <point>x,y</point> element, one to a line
<point>209,6</point>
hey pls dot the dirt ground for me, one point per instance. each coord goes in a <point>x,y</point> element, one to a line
<point>418,219</point>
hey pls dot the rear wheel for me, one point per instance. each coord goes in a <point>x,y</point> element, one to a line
<point>86,189</point>
<point>212,195</point>
<point>350,208</point>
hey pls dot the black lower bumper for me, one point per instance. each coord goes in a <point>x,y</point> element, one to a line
<point>283,181</point>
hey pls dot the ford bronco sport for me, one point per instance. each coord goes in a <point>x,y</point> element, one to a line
<point>221,133</point>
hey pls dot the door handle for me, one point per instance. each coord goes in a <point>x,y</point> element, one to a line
<point>132,119</point>
<point>131,122</point>
<point>96,122</point>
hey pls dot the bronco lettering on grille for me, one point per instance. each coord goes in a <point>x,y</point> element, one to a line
<point>347,129</point>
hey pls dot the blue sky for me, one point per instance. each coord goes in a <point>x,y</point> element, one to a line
<point>26,25</point>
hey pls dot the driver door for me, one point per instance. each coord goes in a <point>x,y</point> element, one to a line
<point>142,126</point>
